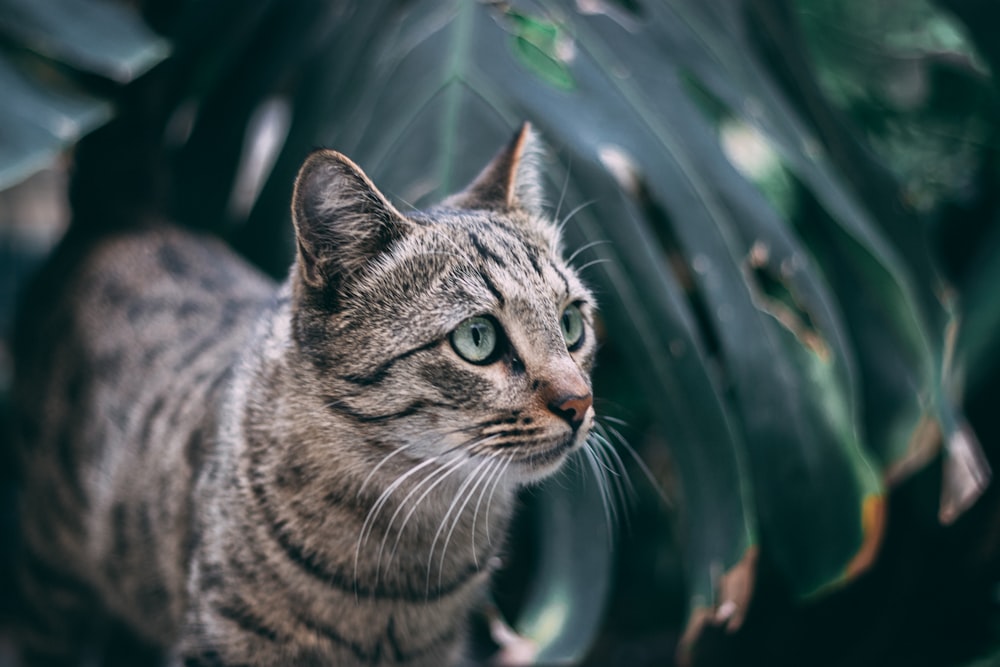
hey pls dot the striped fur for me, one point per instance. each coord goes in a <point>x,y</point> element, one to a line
<point>303,474</point>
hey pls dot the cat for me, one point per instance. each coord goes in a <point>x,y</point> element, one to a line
<point>314,473</point>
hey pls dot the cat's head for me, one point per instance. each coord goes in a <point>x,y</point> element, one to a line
<point>454,332</point>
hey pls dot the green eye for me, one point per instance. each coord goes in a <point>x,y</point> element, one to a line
<point>572,326</point>
<point>476,339</point>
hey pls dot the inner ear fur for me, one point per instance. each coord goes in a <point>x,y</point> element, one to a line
<point>341,219</point>
<point>511,181</point>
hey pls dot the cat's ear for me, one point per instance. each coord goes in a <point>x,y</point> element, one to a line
<point>341,219</point>
<point>511,181</point>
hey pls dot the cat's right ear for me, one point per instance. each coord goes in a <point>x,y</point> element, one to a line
<point>341,219</point>
<point>511,181</point>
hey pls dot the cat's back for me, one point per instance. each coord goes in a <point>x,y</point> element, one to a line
<point>133,311</point>
<point>124,347</point>
<point>140,286</point>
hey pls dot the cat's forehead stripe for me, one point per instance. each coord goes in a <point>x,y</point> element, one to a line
<point>507,246</point>
<point>494,289</point>
<point>482,248</point>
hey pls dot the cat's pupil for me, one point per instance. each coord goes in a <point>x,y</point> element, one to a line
<point>477,335</point>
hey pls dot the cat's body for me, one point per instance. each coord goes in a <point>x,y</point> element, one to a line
<point>316,473</point>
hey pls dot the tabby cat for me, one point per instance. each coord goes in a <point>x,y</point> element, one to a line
<point>316,473</point>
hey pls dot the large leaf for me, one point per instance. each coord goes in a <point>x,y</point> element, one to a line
<point>764,372</point>
<point>42,112</point>
<point>451,82</point>
<point>620,103</point>
<point>901,321</point>
<point>38,119</point>
<point>740,83</point>
<point>96,36</point>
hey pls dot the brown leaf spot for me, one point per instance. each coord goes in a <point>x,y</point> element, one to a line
<point>873,517</point>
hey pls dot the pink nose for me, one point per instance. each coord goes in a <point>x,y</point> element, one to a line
<point>572,408</point>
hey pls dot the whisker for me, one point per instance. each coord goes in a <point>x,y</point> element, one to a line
<point>612,483</point>
<point>404,202</point>
<point>599,480</point>
<point>577,209</point>
<point>369,522</point>
<point>591,439</point>
<point>454,524</point>
<point>462,459</point>
<point>622,484</point>
<point>407,446</point>
<point>639,462</point>
<point>593,262</point>
<point>504,462</point>
<point>444,519</point>
<point>485,479</point>
<point>489,500</point>
<point>562,193</point>
<point>584,248</point>
<point>475,513</point>
<point>605,442</point>
<point>624,491</point>
<point>381,463</point>
<point>384,497</point>
<point>441,474</point>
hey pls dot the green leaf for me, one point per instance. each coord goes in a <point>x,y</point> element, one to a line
<point>651,309</point>
<point>47,107</point>
<point>789,453</point>
<point>893,316</point>
<point>38,119</point>
<point>742,327</point>
<point>742,452</point>
<point>94,36</point>
<point>441,97</point>
<point>536,45</point>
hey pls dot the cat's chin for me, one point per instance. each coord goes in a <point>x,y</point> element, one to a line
<point>535,466</point>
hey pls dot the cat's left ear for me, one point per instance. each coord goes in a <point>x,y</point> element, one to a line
<point>511,181</point>
<point>342,221</point>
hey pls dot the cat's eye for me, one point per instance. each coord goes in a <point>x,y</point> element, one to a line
<point>477,339</point>
<point>572,326</point>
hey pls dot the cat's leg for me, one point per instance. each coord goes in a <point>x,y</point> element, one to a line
<point>58,614</point>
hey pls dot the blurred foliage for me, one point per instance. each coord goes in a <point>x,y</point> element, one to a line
<point>789,212</point>
<point>57,60</point>
<point>913,83</point>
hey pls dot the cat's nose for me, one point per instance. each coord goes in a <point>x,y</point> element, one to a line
<point>572,408</point>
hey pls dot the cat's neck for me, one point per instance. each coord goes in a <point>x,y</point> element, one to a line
<point>354,508</point>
